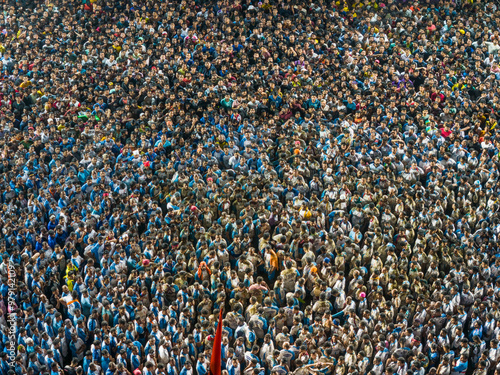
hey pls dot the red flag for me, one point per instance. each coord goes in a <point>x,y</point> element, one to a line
<point>215,360</point>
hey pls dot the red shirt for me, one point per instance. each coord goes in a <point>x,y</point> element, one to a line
<point>445,133</point>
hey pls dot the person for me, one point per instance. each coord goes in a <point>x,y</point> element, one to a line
<point>201,366</point>
<point>187,369</point>
<point>327,173</point>
<point>461,365</point>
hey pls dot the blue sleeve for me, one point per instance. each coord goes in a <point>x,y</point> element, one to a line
<point>201,370</point>
<point>461,367</point>
<point>136,362</point>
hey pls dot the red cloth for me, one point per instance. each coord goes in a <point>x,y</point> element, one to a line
<point>215,360</point>
<point>445,133</point>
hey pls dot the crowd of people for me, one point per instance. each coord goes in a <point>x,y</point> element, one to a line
<point>324,172</point>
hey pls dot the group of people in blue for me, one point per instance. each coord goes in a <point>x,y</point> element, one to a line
<point>324,172</point>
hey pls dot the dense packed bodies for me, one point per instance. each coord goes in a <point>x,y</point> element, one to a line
<point>326,173</point>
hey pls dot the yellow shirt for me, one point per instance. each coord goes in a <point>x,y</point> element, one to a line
<point>70,283</point>
<point>25,84</point>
